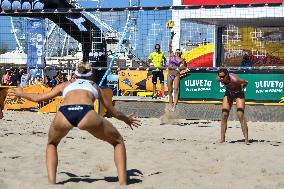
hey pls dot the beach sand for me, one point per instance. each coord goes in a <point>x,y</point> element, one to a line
<point>185,154</point>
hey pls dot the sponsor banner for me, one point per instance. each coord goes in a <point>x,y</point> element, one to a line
<point>35,32</point>
<point>139,80</point>
<point>227,2</point>
<point>15,103</point>
<point>262,87</point>
<point>11,102</point>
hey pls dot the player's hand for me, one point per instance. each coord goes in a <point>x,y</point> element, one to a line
<point>17,91</point>
<point>172,34</point>
<point>132,121</point>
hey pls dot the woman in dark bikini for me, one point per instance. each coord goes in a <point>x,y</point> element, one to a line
<point>78,111</point>
<point>234,91</point>
<point>175,61</point>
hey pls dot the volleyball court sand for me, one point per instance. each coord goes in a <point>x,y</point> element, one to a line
<point>187,155</point>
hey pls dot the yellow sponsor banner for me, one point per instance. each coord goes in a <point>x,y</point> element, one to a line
<point>98,105</point>
<point>10,102</point>
<point>15,103</point>
<point>50,106</point>
<point>3,94</point>
<point>54,104</point>
<point>138,80</point>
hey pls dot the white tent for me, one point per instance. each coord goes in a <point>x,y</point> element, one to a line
<point>73,59</point>
<point>14,57</point>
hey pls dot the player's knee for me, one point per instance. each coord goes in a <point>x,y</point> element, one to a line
<point>53,142</point>
<point>240,113</point>
<point>241,110</point>
<point>171,90</point>
<point>176,90</point>
<point>225,114</point>
<point>118,140</point>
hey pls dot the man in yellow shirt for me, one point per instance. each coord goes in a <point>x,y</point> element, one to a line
<point>157,59</point>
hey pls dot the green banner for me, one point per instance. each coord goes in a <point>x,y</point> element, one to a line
<point>264,87</point>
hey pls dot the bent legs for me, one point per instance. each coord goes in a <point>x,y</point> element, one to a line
<point>226,107</point>
<point>106,132</point>
<point>241,115</point>
<point>56,132</point>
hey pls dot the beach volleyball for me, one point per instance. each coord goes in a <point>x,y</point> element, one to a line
<point>170,24</point>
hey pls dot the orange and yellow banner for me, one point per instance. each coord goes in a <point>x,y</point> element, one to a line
<point>11,102</point>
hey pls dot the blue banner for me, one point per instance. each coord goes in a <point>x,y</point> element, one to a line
<point>35,32</point>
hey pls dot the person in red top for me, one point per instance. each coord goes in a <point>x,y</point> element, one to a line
<point>6,79</point>
<point>234,91</point>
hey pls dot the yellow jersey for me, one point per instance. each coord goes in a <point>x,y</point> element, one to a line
<point>157,58</point>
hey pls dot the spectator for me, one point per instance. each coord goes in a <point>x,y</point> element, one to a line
<point>6,79</point>
<point>24,77</point>
<point>246,62</point>
<point>53,82</point>
<point>157,59</point>
<point>15,78</point>
<point>48,83</point>
<point>73,78</point>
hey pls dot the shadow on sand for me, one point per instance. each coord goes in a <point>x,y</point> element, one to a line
<point>251,141</point>
<point>87,179</point>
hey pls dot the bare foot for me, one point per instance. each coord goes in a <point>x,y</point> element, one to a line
<point>222,141</point>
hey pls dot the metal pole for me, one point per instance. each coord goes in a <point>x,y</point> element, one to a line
<point>45,48</point>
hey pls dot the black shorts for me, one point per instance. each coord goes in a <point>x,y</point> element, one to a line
<point>234,95</point>
<point>156,75</point>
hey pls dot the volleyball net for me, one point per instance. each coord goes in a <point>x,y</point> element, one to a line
<point>119,40</point>
<point>208,36</point>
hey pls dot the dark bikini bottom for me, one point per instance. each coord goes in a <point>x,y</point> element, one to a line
<point>235,94</point>
<point>75,113</point>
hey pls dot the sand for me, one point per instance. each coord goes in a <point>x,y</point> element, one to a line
<point>185,154</point>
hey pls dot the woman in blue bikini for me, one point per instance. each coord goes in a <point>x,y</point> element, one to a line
<point>175,61</point>
<point>78,111</point>
<point>234,91</point>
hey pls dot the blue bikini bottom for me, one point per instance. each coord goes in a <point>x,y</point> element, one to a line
<point>172,76</point>
<point>75,113</point>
